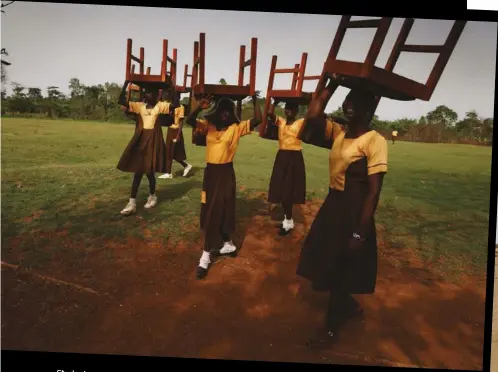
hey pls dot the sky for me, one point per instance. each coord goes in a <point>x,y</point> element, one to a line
<point>50,43</point>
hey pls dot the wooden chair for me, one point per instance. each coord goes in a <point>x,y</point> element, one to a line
<point>135,88</point>
<point>184,88</point>
<point>295,93</point>
<point>235,92</point>
<point>141,79</point>
<point>383,81</point>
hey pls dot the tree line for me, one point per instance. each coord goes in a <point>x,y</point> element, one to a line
<point>99,103</point>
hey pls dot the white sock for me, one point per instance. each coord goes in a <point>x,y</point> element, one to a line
<point>133,201</point>
<point>205,260</point>
<point>288,224</point>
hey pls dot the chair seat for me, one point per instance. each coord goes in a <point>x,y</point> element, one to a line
<point>381,82</point>
<point>233,92</point>
<point>182,89</point>
<point>303,98</point>
<point>149,81</point>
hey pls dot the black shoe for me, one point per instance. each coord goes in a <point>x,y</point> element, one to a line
<point>200,272</point>
<point>354,309</point>
<point>231,254</point>
<point>356,312</point>
<point>284,232</point>
<point>323,339</point>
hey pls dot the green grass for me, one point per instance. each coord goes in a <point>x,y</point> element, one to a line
<point>435,198</point>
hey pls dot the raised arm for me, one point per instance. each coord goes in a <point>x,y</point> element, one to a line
<point>203,104</point>
<point>192,117</point>
<point>124,105</point>
<point>175,103</point>
<point>131,109</point>
<point>180,119</point>
<point>271,112</point>
<point>317,130</point>
<point>180,125</point>
<point>258,117</point>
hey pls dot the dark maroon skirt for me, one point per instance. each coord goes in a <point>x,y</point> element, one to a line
<point>288,179</point>
<point>145,152</point>
<point>218,202</point>
<point>325,258</point>
<point>174,151</point>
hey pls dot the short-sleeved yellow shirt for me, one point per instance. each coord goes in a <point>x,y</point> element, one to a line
<point>149,116</point>
<point>179,114</point>
<point>221,146</point>
<point>288,134</point>
<point>345,151</point>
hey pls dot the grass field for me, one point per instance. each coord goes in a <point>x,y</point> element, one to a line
<point>63,174</point>
<point>71,265</point>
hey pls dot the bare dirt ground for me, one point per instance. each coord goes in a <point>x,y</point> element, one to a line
<point>146,301</point>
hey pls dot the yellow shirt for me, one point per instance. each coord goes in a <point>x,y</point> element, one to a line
<point>149,116</point>
<point>395,133</point>
<point>332,130</point>
<point>345,151</point>
<point>288,134</point>
<point>179,114</point>
<point>221,146</point>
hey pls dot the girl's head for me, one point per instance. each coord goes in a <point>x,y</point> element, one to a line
<point>223,114</point>
<point>291,110</point>
<point>171,95</point>
<point>151,96</point>
<point>358,107</point>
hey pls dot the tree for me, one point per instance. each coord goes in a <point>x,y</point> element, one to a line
<point>4,76</point>
<point>18,102</point>
<point>475,128</point>
<point>99,102</point>
<point>3,51</point>
<point>55,104</point>
<point>76,89</point>
<point>223,81</point>
<point>487,130</point>
<point>5,4</point>
<point>443,116</point>
<point>403,125</point>
<point>35,99</point>
<point>441,119</point>
<point>3,67</point>
<point>469,124</point>
<point>35,94</point>
<point>112,92</point>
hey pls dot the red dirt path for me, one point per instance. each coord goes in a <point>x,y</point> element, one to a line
<point>253,307</point>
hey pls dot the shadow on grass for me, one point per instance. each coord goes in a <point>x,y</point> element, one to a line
<point>96,219</point>
<point>436,236</point>
<point>193,172</point>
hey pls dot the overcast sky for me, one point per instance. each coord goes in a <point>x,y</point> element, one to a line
<point>50,43</point>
